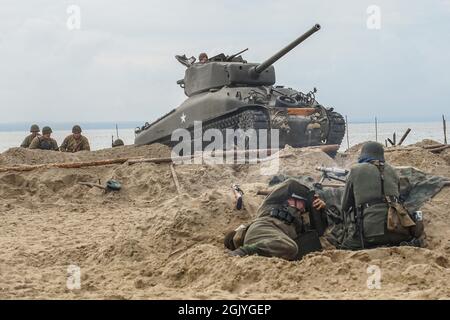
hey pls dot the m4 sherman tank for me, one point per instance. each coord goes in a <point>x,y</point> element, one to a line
<point>226,92</point>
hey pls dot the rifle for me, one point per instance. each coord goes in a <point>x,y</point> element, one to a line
<point>238,193</point>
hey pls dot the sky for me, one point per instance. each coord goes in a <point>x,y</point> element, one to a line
<point>119,65</point>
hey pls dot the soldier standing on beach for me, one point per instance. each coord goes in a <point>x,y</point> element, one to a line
<point>75,142</point>
<point>34,133</point>
<point>44,142</point>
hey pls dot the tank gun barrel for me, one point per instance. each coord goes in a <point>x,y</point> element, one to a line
<point>263,66</point>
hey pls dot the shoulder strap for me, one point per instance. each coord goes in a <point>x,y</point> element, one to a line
<point>380,167</point>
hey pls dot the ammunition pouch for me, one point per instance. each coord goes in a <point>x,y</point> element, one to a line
<point>399,220</point>
<point>239,236</point>
<point>235,238</point>
<point>283,215</point>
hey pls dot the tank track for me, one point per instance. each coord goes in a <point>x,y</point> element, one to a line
<point>247,119</point>
<point>256,118</point>
<point>336,130</point>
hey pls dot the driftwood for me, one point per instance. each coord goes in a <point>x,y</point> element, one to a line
<point>434,146</point>
<point>402,149</point>
<point>69,165</point>
<point>439,149</point>
<point>152,160</point>
<point>63,165</point>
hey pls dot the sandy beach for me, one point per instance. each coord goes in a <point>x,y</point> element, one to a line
<point>149,242</point>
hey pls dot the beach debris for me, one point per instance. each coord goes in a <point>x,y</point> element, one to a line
<point>238,193</point>
<point>175,178</point>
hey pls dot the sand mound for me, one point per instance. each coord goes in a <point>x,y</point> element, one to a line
<point>148,241</point>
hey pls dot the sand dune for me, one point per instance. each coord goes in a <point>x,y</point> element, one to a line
<point>147,241</point>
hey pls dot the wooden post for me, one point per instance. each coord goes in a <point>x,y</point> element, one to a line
<point>346,124</point>
<point>390,141</point>
<point>175,178</point>
<point>394,139</point>
<point>404,136</point>
<point>385,142</point>
<point>376,129</point>
<point>445,129</point>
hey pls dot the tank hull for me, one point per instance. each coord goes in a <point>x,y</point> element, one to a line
<point>298,125</point>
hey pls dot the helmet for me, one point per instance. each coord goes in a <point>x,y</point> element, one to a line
<point>113,185</point>
<point>76,129</point>
<point>118,143</point>
<point>46,130</point>
<point>34,128</point>
<point>297,197</point>
<point>372,151</point>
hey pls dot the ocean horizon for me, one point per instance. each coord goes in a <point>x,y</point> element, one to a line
<point>101,134</point>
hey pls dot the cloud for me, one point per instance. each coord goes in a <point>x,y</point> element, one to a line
<point>120,64</point>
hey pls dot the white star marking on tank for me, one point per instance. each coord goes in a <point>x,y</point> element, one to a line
<point>183,118</point>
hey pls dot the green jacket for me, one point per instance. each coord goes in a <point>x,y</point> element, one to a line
<point>27,141</point>
<point>70,144</point>
<point>44,144</point>
<point>364,186</point>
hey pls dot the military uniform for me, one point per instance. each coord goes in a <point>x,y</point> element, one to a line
<point>27,141</point>
<point>70,144</point>
<point>364,203</point>
<point>271,236</point>
<point>34,129</point>
<point>44,144</point>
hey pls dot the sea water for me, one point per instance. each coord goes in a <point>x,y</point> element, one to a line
<point>357,133</point>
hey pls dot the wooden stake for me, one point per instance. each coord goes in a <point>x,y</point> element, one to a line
<point>394,138</point>
<point>404,136</point>
<point>346,125</point>
<point>390,141</point>
<point>175,178</point>
<point>376,129</point>
<point>445,129</point>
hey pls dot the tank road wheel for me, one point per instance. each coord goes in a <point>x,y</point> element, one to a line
<point>256,120</point>
<point>244,120</point>
<point>336,130</point>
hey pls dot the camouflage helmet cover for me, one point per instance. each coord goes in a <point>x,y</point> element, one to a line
<point>46,130</point>
<point>76,129</point>
<point>34,128</point>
